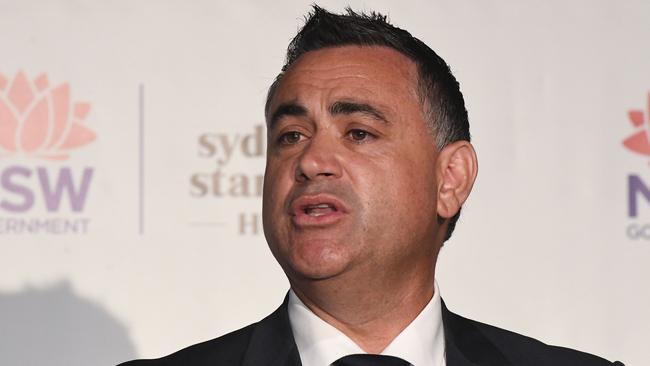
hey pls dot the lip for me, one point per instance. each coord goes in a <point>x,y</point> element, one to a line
<point>301,219</point>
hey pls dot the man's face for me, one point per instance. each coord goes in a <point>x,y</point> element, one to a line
<point>350,184</point>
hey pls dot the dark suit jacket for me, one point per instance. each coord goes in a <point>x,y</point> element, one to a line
<point>468,343</point>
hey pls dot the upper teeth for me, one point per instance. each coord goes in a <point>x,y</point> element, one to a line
<point>321,205</point>
<point>319,209</point>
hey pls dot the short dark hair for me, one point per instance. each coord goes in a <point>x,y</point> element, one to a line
<point>439,92</point>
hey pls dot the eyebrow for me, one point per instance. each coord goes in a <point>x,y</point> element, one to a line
<point>285,110</point>
<point>345,107</point>
<point>294,109</point>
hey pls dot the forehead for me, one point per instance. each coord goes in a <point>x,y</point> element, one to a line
<point>366,72</point>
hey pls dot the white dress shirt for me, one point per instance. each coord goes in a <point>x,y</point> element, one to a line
<point>421,343</point>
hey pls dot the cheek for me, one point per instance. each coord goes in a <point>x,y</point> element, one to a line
<point>417,192</point>
<point>399,196</point>
<point>276,188</point>
<point>277,181</point>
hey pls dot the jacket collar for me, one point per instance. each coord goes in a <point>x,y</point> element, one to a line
<point>466,345</point>
<point>272,342</point>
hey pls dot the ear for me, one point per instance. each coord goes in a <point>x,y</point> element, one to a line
<point>456,171</point>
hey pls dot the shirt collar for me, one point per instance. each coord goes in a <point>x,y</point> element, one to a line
<point>421,343</point>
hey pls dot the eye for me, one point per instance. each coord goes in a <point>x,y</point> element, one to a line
<point>358,135</point>
<point>290,138</point>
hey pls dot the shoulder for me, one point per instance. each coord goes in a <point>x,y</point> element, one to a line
<point>269,339</point>
<point>529,351</point>
<point>522,350</point>
<point>228,349</point>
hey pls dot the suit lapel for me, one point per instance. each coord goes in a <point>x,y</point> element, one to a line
<point>272,342</point>
<point>465,345</point>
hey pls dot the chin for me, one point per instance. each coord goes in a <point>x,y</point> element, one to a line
<point>317,259</point>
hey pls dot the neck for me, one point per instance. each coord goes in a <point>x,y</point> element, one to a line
<point>371,311</point>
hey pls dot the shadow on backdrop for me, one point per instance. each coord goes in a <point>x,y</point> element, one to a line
<point>54,326</point>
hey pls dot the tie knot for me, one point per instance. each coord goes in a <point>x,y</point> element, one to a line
<point>370,360</point>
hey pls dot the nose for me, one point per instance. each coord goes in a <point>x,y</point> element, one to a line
<point>319,160</point>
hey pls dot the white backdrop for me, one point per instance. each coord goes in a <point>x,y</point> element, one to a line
<point>129,212</point>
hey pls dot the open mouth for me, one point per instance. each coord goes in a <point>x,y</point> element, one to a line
<point>320,209</point>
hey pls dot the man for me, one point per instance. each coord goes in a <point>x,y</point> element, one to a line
<point>368,165</point>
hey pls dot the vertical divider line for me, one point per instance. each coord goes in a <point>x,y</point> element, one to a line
<point>141,159</point>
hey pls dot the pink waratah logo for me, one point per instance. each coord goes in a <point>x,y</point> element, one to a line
<point>39,121</point>
<point>639,141</point>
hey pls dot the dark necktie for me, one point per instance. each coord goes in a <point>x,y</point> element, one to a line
<point>370,360</point>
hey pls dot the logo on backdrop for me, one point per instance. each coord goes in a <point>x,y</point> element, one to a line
<point>638,191</point>
<point>230,181</point>
<point>40,128</point>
